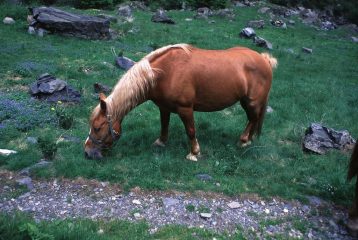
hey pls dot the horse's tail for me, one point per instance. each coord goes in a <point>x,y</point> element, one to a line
<point>271,60</point>
<point>353,165</point>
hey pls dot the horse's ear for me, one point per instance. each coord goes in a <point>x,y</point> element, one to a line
<point>103,104</point>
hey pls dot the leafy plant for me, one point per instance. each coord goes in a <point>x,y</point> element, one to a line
<point>65,118</point>
<point>47,145</point>
<point>32,231</point>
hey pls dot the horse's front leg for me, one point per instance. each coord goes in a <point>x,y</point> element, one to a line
<point>164,121</point>
<point>187,117</point>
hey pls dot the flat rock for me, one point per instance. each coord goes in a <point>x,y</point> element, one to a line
<point>6,152</point>
<point>101,88</point>
<point>205,215</point>
<point>234,205</point>
<point>124,11</point>
<point>259,24</point>
<point>69,24</point>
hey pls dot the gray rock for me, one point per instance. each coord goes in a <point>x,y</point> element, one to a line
<point>168,202</point>
<point>259,24</point>
<point>69,24</point>
<point>124,11</point>
<point>279,23</point>
<point>319,139</point>
<point>50,89</point>
<point>27,181</point>
<point>124,62</point>
<point>52,86</point>
<point>204,177</point>
<point>327,25</point>
<point>307,50</point>
<point>32,140</point>
<point>41,32</point>
<point>31,30</point>
<point>261,42</point>
<point>8,21</point>
<point>224,13</point>
<point>354,39</point>
<point>247,33</point>
<point>101,88</point>
<point>263,10</point>
<point>41,164</point>
<point>203,12</point>
<point>161,17</point>
<point>234,205</point>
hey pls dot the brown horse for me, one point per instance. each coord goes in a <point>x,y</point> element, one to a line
<point>182,79</point>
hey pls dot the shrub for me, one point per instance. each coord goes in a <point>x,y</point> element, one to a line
<point>47,145</point>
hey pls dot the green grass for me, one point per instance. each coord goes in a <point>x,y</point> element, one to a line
<point>318,87</point>
<point>20,226</point>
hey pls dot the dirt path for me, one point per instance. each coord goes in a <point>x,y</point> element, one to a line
<point>255,217</point>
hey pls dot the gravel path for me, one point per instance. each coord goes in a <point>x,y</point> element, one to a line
<point>255,217</point>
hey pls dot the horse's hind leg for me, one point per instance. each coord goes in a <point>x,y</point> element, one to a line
<point>253,112</point>
<point>187,117</point>
<point>164,121</point>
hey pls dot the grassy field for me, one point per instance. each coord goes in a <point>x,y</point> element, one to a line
<point>318,87</point>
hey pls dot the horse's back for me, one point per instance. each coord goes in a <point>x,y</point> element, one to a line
<point>212,79</point>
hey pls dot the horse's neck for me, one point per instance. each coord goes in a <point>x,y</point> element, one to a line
<point>123,103</point>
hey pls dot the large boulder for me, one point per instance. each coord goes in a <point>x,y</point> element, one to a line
<point>68,24</point>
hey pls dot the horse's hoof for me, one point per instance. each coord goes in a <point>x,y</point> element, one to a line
<point>244,144</point>
<point>192,157</point>
<point>159,143</point>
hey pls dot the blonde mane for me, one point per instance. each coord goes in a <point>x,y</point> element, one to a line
<point>133,86</point>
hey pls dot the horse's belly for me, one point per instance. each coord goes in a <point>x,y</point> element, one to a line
<point>213,103</point>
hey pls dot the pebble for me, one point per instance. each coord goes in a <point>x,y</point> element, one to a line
<point>136,201</point>
<point>234,205</point>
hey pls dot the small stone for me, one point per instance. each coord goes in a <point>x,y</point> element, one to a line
<point>137,215</point>
<point>285,210</point>
<point>307,50</point>
<point>267,211</point>
<point>261,42</point>
<point>6,152</point>
<point>41,32</point>
<point>247,32</point>
<point>8,20</point>
<point>188,19</point>
<point>100,231</point>
<point>161,17</point>
<point>291,22</point>
<point>31,30</point>
<point>124,11</point>
<point>124,62</point>
<point>137,202</point>
<point>204,177</point>
<point>234,205</point>
<point>205,215</point>
<point>269,109</point>
<point>354,39</point>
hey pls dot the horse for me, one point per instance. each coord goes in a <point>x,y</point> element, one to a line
<point>182,79</point>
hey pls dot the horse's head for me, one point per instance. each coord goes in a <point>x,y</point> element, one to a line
<point>104,130</point>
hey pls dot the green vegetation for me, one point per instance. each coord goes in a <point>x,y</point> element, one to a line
<point>318,87</point>
<point>20,226</point>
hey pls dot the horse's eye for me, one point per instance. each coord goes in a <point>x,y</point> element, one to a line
<point>96,129</point>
